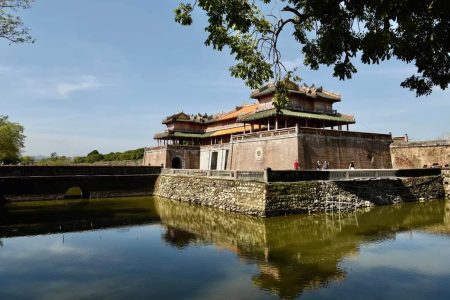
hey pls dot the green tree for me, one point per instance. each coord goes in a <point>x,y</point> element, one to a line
<point>94,156</point>
<point>11,140</point>
<point>330,32</point>
<point>11,26</point>
<point>27,160</point>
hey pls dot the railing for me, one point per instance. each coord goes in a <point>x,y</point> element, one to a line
<point>177,146</point>
<point>304,175</point>
<point>334,175</point>
<point>265,134</point>
<point>234,175</point>
<point>251,175</point>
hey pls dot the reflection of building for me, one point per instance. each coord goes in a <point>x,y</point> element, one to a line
<point>256,136</point>
<point>297,253</point>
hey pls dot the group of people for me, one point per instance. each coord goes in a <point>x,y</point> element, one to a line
<point>323,166</point>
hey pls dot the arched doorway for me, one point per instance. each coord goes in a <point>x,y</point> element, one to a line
<point>177,163</point>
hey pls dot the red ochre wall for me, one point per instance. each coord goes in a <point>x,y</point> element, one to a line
<point>368,151</point>
<point>339,148</point>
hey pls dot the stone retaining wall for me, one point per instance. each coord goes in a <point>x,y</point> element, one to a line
<point>446,182</point>
<point>319,196</point>
<point>232,195</point>
<point>270,199</point>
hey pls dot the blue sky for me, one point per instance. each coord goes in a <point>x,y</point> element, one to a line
<point>103,73</point>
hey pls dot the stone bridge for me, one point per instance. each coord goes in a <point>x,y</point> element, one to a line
<point>60,182</point>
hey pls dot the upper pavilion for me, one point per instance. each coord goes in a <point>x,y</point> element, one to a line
<point>307,107</point>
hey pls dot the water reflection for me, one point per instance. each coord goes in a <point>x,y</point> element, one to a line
<point>295,253</point>
<point>290,255</point>
<point>44,217</point>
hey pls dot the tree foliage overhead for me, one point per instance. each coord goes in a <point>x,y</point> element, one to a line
<point>11,140</point>
<point>332,33</point>
<point>11,26</point>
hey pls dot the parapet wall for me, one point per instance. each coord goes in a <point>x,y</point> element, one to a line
<point>418,154</point>
<point>270,199</point>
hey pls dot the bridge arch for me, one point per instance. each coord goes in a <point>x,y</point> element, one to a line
<point>76,192</point>
<point>176,163</point>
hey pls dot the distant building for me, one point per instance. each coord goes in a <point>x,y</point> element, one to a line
<point>255,136</point>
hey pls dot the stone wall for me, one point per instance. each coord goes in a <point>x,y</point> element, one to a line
<point>446,182</point>
<point>339,148</point>
<point>269,199</point>
<point>27,188</point>
<point>164,155</point>
<point>232,195</point>
<point>418,154</point>
<point>189,155</point>
<point>155,156</point>
<point>319,196</point>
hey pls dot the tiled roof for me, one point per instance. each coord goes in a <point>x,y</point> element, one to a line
<point>309,92</point>
<point>240,111</point>
<point>272,112</point>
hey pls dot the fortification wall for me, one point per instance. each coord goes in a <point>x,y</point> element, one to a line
<point>367,151</point>
<point>418,154</point>
<point>231,195</point>
<point>257,154</point>
<point>164,155</point>
<point>270,199</point>
<point>189,155</point>
<point>155,156</point>
<point>319,196</point>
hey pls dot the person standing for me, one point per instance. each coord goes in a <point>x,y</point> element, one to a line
<point>319,166</point>
<point>296,165</point>
<point>325,165</point>
<point>352,165</point>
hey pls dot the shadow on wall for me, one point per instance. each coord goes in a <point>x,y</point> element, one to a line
<point>386,191</point>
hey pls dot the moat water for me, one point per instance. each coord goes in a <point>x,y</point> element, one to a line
<point>138,248</point>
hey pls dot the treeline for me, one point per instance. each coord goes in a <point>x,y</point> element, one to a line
<point>95,156</point>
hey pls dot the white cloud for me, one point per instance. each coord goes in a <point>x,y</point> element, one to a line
<point>60,84</point>
<point>65,89</point>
